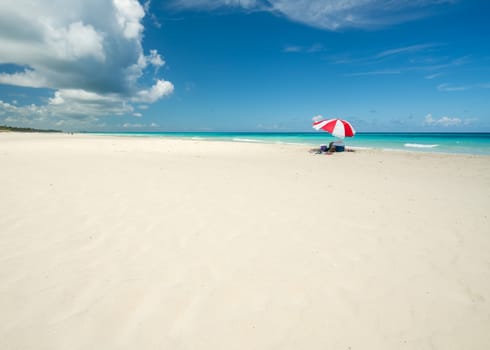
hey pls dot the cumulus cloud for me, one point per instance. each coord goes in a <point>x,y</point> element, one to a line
<point>160,89</point>
<point>443,121</point>
<point>75,41</point>
<point>155,59</point>
<point>328,14</point>
<point>27,78</point>
<point>45,117</point>
<point>88,52</point>
<point>128,14</point>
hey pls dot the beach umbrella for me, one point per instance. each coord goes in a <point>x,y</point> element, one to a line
<point>337,127</point>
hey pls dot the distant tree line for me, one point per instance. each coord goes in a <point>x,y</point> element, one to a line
<point>14,128</point>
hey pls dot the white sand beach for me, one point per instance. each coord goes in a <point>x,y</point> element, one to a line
<point>146,243</point>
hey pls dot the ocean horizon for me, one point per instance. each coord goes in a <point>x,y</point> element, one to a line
<point>476,143</point>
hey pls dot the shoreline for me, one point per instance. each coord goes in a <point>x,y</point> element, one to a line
<point>307,148</point>
<point>421,150</point>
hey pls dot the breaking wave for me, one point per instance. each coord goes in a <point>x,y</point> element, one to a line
<point>247,140</point>
<point>419,145</point>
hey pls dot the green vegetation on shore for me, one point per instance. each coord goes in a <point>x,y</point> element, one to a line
<point>16,129</point>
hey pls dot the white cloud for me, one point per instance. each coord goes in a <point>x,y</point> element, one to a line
<point>155,59</point>
<point>433,76</point>
<point>45,117</point>
<point>452,87</point>
<point>27,78</point>
<point>405,49</point>
<point>447,121</point>
<point>308,49</point>
<point>79,95</point>
<point>160,89</point>
<point>88,52</point>
<point>134,125</point>
<point>213,4</point>
<point>139,125</point>
<point>154,19</point>
<point>292,48</point>
<point>75,41</point>
<point>129,14</point>
<point>376,72</point>
<point>443,121</point>
<point>328,14</point>
<point>78,104</point>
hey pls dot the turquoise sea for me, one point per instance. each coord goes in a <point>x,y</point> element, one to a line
<point>466,143</point>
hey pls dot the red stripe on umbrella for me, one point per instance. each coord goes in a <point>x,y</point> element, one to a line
<point>336,127</point>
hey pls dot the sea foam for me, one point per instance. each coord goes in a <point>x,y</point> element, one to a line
<point>246,140</point>
<point>419,145</point>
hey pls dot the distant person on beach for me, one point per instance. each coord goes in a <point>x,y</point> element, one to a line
<point>336,146</point>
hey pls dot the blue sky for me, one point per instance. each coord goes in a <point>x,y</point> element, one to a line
<point>249,65</point>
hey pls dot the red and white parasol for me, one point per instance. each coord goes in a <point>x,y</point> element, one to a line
<point>337,127</point>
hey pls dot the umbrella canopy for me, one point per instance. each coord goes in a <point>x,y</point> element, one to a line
<point>337,127</point>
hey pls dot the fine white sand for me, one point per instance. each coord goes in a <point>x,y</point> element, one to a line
<point>136,243</point>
